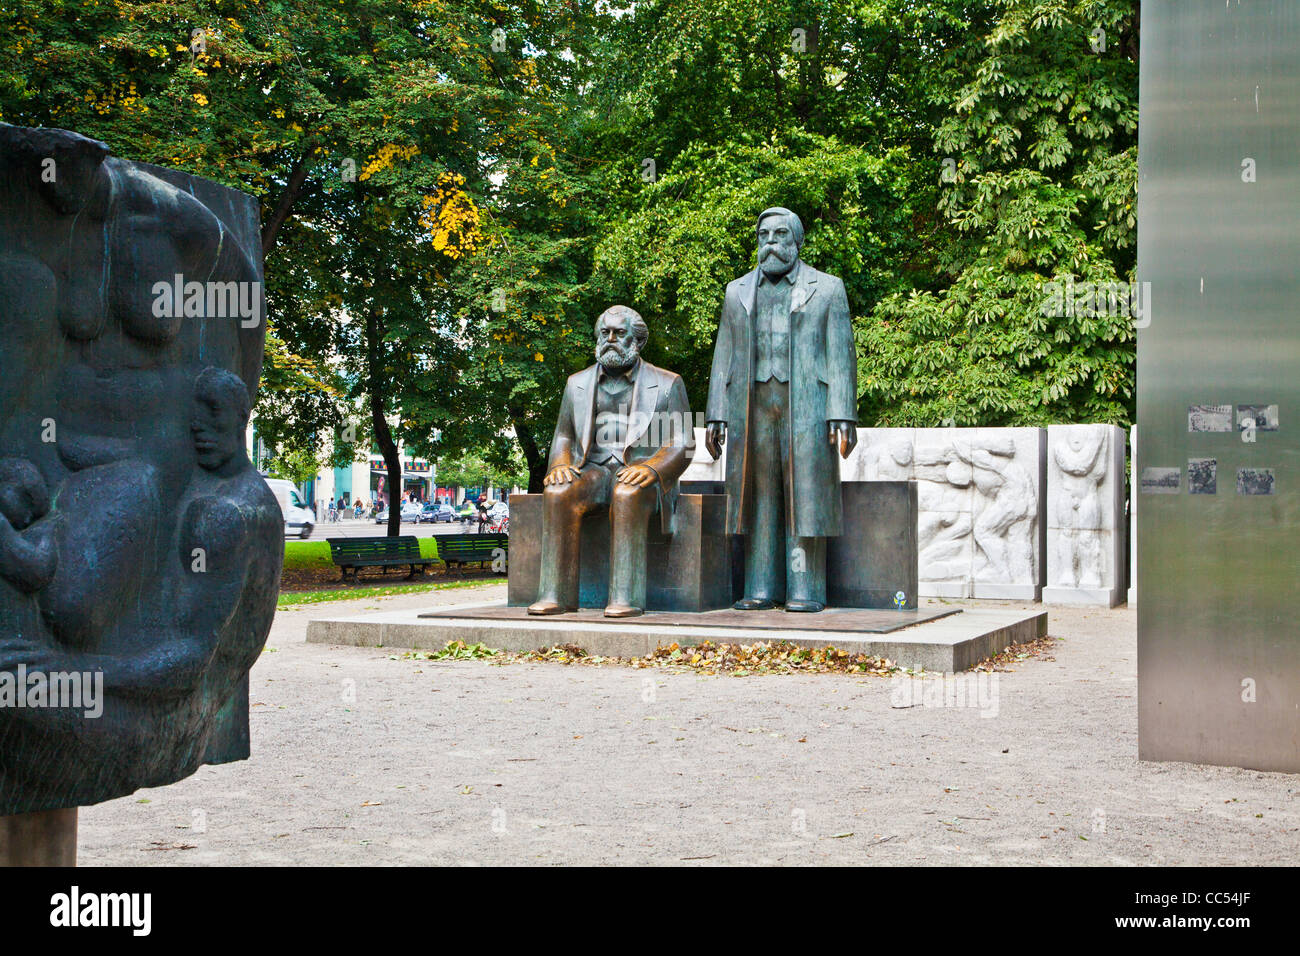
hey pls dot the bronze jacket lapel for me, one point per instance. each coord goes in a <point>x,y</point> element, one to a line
<point>584,408</point>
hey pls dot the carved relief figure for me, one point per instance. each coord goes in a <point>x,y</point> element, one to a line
<point>137,543</point>
<point>944,528</point>
<point>1004,529</point>
<point>891,461</point>
<point>1080,461</point>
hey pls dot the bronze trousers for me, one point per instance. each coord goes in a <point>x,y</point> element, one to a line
<point>778,566</point>
<point>630,511</point>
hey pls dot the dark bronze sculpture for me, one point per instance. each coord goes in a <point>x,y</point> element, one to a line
<point>783,393</point>
<point>140,551</point>
<point>622,440</point>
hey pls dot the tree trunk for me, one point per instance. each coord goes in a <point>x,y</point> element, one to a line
<point>383,434</point>
<point>532,454</point>
<point>292,190</point>
<point>392,461</point>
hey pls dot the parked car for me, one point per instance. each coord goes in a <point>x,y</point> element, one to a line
<point>434,513</point>
<point>298,518</point>
<point>411,511</point>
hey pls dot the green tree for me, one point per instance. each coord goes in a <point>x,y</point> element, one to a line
<point>290,100</point>
<point>948,160</point>
<point>296,465</point>
<point>1039,146</point>
<point>521,165</point>
<point>723,108</point>
<point>475,469</point>
<point>525,302</point>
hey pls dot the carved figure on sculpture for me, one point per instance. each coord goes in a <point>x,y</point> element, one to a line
<point>891,461</point>
<point>1081,468</point>
<point>138,546</point>
<point>1004,529</point>
<point>944,479</point>
<point>623,439</point>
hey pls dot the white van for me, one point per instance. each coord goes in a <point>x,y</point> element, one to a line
<point>298,518</point>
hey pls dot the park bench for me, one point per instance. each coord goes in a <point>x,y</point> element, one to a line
<point>356,553</point>
<point>462,549</point>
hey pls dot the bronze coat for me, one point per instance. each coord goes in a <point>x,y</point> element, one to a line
<point>659,431</point>
<point>823,388</point>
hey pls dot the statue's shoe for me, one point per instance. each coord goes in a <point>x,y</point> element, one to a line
<point>548,607</point>
<point>753,604</point>
<point>623,610</point>
<point>806,607</point>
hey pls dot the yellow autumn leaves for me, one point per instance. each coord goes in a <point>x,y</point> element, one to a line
<point>705,658</point>
<point>449,214</point>
<point>119,95</point>
<point>384,157</point>
<point>452,217</point>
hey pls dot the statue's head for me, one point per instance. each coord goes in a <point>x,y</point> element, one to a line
<point>621,334</point>
<point>901,451</point>
<point>1078,438</point>
<point>220,417</point>
<point>780,236</point>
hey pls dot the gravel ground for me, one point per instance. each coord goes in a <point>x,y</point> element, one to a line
<point>362,759</point>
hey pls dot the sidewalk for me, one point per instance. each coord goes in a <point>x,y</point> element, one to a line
<point>468,762</point>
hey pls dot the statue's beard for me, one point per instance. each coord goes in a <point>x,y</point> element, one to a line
<point>774,261</point>
<point>612,356</point>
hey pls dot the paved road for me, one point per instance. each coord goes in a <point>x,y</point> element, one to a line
<point>366,527</point>
<point>364,757</point>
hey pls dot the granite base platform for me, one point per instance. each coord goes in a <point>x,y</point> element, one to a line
<point>931,639</point>
<point>700,568</point>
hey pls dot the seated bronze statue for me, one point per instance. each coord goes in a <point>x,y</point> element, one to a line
<point>622,441</point>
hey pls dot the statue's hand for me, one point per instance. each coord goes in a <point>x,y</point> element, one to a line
<point>715,436</point>
<point>845,435</point>
<point>640,475</point>
<point>561,475</point>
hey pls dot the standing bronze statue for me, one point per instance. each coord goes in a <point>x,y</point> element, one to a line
<point>784,390</point>
<point>621,443</point>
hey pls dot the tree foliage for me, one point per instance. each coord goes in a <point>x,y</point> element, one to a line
<point>453,190</point>
<point>1040,133</point>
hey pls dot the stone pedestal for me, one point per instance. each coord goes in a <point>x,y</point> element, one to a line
<point>874,560</point>
<point>944,640</point>
<point>687,571</point>
<point>1085,515</point>
<point>700,568</point>
<point>876,557</point>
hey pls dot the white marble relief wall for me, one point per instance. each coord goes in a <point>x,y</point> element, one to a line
<point>980,490</point>
<point>1086,525</point>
